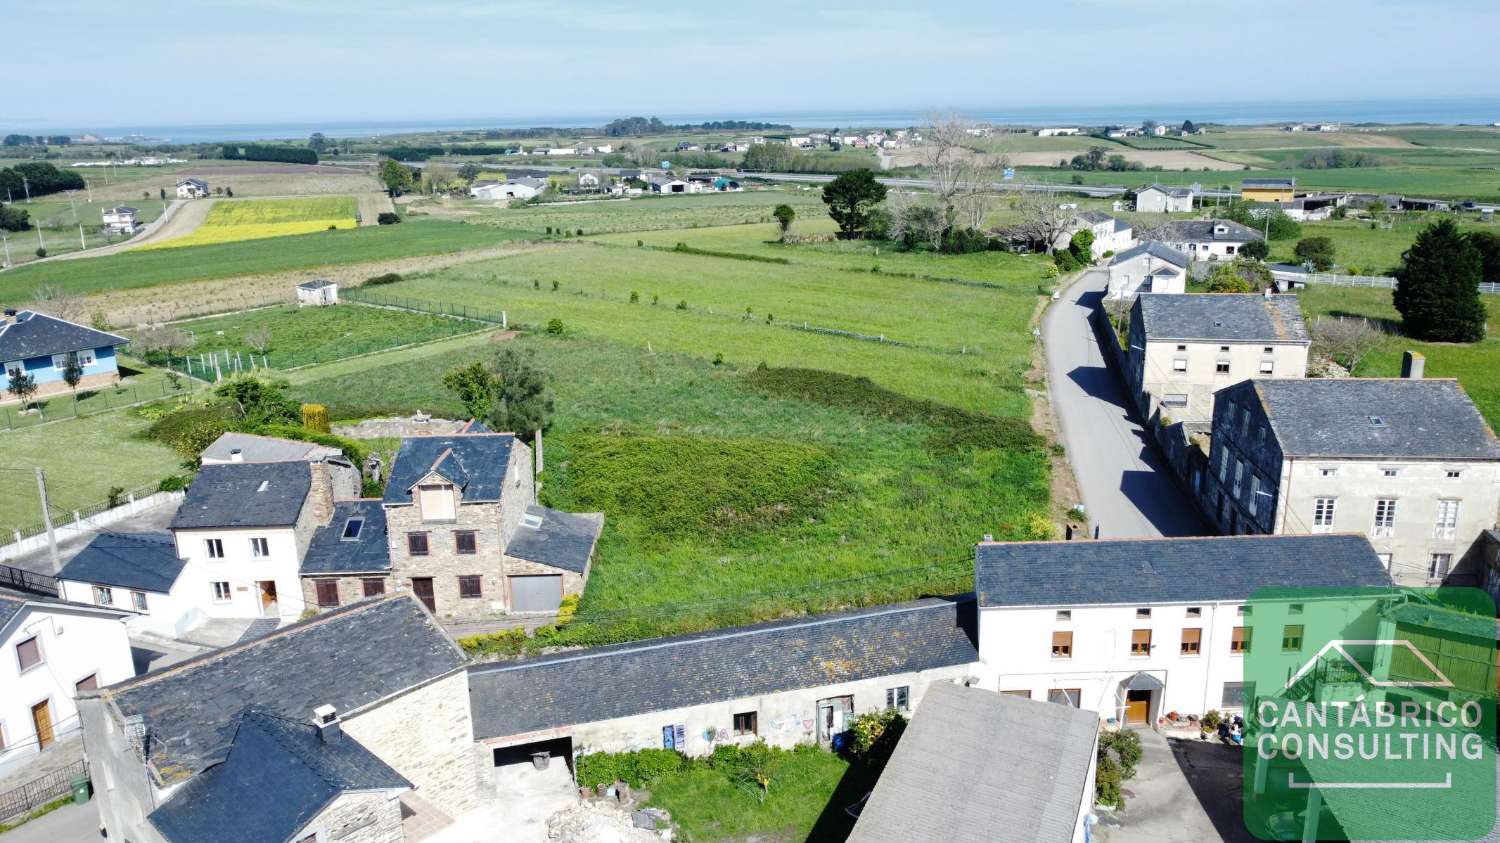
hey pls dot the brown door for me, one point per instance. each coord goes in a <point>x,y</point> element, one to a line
<point>422,587</point>
<point>1138,708</point>
<point>41,718</point>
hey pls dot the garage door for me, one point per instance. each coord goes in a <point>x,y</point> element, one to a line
<point>536,594</point>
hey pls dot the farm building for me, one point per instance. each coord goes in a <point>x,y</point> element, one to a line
<point>191,188</point>
<point>121,219</point>
<point>317,293</point>
<point>42,346</point>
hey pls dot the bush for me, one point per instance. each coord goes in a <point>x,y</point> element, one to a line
<point>387,278</point>
<point>388,218</point>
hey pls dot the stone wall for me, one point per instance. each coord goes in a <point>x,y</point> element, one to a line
<point>427,736</point>
<point>358,818</point>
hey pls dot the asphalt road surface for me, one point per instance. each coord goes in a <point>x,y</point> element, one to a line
<point>1128,491</point>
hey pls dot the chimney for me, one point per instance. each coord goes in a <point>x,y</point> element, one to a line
<point>325,718</point>
<point>236,455</point>
<point>1412,364</point>
<point>321,494</point>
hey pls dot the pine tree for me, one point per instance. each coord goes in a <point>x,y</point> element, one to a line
<point>1438,287</point>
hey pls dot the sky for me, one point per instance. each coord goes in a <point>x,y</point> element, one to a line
<point>106,63</point>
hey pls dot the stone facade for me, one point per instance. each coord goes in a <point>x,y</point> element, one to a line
<point>426,735</point>
<point>358,818</point>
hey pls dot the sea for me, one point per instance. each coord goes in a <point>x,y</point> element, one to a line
<point>1438,111</point>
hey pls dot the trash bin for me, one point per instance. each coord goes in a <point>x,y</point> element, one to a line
<point>80,785</point>
<point>540,760</point>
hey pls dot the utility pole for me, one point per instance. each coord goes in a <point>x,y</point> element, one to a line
<point>41,488</point>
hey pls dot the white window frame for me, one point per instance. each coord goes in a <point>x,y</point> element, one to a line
<point>260,547</point>
<point>1385,518</point>
<point>228,591</point>
<point>1446,524</point>
<point>1325,509</point>
<point>213,548</point>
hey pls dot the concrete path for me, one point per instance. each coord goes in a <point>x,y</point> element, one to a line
<point>1127,488</point>
<point>1184,791</point>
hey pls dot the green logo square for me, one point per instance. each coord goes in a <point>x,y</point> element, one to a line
<point>1370,714</point>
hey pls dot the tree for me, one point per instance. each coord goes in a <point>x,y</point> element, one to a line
<point>317,143</point>
<point>21,385</point>
<point>72,371</point>
<point>850,198</point>
<point>1344,340</point>
<point>396,177</point>
<point>1257,250</point>
<point>523,404</point>
<point>1317,251</point>
<point>1437,289</point>
<point>784,215</point>
<point>1488,244</point>
<point>475,387</point>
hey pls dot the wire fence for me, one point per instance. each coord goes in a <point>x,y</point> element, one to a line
<point>91,402</point>
<point>38,792</point>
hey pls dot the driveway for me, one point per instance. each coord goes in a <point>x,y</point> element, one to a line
<point>1184,791</point>
<point>1127,488</point>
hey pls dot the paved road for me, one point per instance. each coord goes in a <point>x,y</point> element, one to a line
<point>1127,489</point>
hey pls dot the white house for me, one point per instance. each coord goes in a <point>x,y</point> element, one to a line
<point>50,650</point>
<point>1205,240</point>
<point>121,219</point>
<point>1134,629</point>
<point>1160,199</point>
<point>1111,235</point>
<point>1150,267</point>
<point>317,293</point>
<point>191,188</point>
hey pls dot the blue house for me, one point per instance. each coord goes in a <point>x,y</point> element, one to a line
<point>40,345</point>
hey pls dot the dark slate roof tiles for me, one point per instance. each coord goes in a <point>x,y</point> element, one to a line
<point>265,494</point>
<point>1230,318</point>
<point>143,561</point>
<point>1376,417</point>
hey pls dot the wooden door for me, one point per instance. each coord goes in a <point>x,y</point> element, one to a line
<point>1138,708</point>
<point>41,718</point>
<point>422,588</point>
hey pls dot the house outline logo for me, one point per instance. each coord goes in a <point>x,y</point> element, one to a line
<point>1338,645</point>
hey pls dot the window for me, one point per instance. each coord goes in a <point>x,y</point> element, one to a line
<point>214,548</point>
<point>1191,640</point>
<point>221,592</point>
<point>744,723</point>
<point>1235,693</point>
<point>1390,472</point>
<point>1328,472</point>
<point>416,544</point>
<point>1065,696</point>
<point>1062,645</point>
<point>352,527</point>
<point>1291,638</point>
<point>1447,519</point>
<point>1267,367</point>
<point>328,593</point>
<point>1454,474</point>
<point>1437,567</point>
<point>1179,364</point>
<point>1064,614</point>
<point>466,542</point>
<point>1385,517</point>
<point>1175,399</point>
<point>1142,613</point>
<point>469,586</point>
<point>87,683</point>
<point>29,653</point>
<point>138,601</point>
<point>1323,509</point>
<point>374,587</point>
<point>1239,640</point>
<point>260,548</point>
<point>1195,611</point>
<point>1221,367</point>
<point>898,698</point>
<point>103,596</point>
<point>1140,642</point>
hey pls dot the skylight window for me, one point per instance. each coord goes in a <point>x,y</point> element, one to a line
<point>352,528</point>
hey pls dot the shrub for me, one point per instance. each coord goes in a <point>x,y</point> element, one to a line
<point>388,218</point>
<point>555,326</point>
<point>387,278</point>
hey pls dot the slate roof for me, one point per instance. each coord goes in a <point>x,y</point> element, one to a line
<point>1156,249</point>
<point>33,334</point>
<point>248,494</point>
<point>142,561</point>
<point>1227,318</point>
<point>1145,571</point>
<point>278,777</point>
<point>602,683</point>
<point>254,448</point>
<point>1200,231</point>
<point>330,552</point>
<point>564,540</point>
<point>475,463</point>
<point>1429,418</point>
<point>973,762</point>
<point>348,658</point>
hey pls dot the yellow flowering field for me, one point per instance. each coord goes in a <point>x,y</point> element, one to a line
<point>251,219</point>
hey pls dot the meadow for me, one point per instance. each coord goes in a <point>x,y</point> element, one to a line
<point>232,220</point>
<point>225,260</point>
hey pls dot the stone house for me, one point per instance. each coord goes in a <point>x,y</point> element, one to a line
<point>1184,348</point>
<point>1408,462</point>
<point>785,682</point>
<point>349,726</point>
<point>466,535</point>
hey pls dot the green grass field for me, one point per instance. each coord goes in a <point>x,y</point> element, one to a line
<point>1476,366</point>
<point>300,336</point>
<point>223,260</point>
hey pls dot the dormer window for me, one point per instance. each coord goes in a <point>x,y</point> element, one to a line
<point>437,502</point>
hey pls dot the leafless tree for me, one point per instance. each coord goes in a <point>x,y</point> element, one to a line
<point>259,339</point>
<point>1345,340</point>
<point>1043,219</point>
<point>55,301</point>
